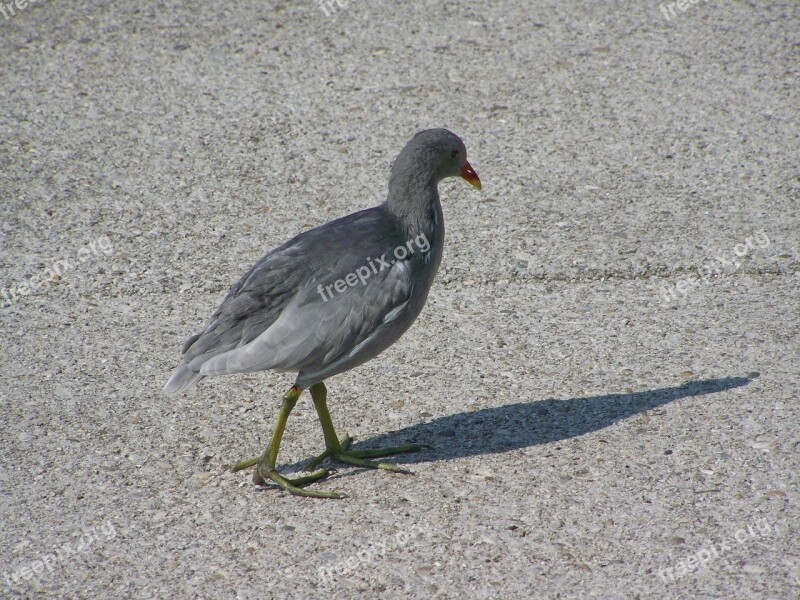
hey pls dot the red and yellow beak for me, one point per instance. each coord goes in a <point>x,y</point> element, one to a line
<point>468,173</point>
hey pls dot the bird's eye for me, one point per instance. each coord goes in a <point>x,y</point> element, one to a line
<point>454,153</point>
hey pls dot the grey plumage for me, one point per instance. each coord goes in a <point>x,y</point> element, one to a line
<point>276,318</point>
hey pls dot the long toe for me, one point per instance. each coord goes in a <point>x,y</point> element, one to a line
<point>350,459</point>
<point>290,486</point>
<point>381,452</point>
<point>245,464</point>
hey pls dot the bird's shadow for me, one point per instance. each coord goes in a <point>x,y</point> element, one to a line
<point>525,424</point>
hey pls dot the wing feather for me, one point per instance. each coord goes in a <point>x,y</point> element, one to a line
<point>313,332</point>
<point>274,317</point>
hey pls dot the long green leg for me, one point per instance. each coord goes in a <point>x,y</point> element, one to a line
<point>338,451</point>
<point>334,449</point>
<point>270,457</point>
<point>265,465</point>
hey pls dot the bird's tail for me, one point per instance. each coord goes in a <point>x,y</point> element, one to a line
<point>182,379</point>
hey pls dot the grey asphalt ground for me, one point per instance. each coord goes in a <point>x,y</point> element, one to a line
<point>585,369</point>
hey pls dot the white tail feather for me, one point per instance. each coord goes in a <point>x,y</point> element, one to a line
<point>182,379</point>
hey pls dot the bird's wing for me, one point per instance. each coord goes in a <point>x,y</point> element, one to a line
<point>252,305</point>
<point>277,300</point>
<point>316,329</point>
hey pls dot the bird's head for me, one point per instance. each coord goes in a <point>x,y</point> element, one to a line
<point>439,153</point>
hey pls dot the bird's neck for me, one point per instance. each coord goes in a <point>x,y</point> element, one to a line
<point>415,202</point>
<point>412,193</point>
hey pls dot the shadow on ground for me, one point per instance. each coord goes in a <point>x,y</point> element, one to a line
<point>525,424</point>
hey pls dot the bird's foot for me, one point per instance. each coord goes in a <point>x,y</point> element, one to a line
<point>293,486</point>
<point>266,471</point>
<point>317,460</point>
<point>358,457</point>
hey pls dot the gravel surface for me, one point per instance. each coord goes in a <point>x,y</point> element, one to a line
<point>607,368</point>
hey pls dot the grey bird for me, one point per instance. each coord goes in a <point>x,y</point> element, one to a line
<point>332,298</point>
